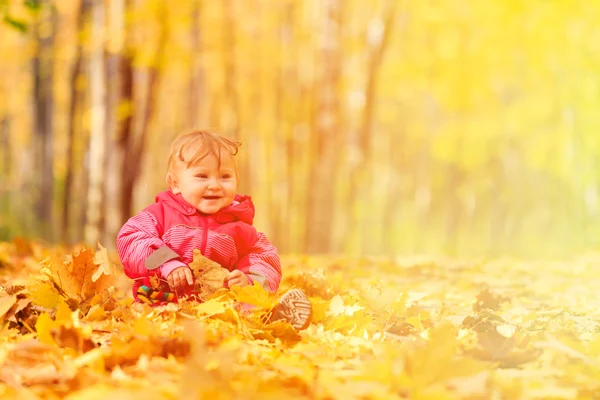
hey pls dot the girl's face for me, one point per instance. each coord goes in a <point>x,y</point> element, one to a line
<point>205,185</point>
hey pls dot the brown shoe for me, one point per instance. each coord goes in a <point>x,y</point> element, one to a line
<point>294,307</point>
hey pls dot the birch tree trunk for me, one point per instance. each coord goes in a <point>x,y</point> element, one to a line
<point>120,97</point>
<point>97,148</point>
<point>325,125</point>
<point>197,102</point>
<point>231,109</point>
<point>366,223</point>
<point>134,140</point>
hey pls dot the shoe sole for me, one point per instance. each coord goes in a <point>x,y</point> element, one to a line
<point>294,307</point>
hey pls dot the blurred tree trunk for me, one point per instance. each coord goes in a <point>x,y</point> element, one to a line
<point>454,208</point>
<point>393,206</point>
<point>361,184</point>
<point>301,97</point>
<point>198,104</point>
<point>119,124</point>
<point>5,146</point>
<point>5,167</point>
<point>84,176</point>
<point>327,136</point>
<point>285,84</point>
<point>81,152</point>
<point>73,101</point>
<point>43,61</point>
<point>134,144</point>
<point>126,112</point>
<point>97,147</point>
<point>456,174</point>
<point>496,204</point>
<point>231,111</point>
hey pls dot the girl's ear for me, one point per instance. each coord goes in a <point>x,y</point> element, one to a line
<point>172,182</point>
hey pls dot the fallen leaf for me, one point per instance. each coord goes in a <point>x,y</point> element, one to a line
<point>22,246</point>
<point>21,305</point>
<point>6,303</point>
<point>96,313</point>
<point>209,276</point>
<point>67,336</point>
<point>106,270</point>
<point>278,330</point>
<point>507,352</point>
<point>254,295</point>
<point>43,327</point>
<point>211,307</point>
<point>487,300</point>
<point>81,271</point>
<point>45,295</point>
<point>337,307</point>
<point>378,331</point>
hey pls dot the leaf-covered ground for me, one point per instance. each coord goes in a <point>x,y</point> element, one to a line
<point>409,328</point>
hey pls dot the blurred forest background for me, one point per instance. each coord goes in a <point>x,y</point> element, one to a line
<point>368,127</point>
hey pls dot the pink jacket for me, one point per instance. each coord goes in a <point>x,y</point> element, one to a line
<point>163,236</point>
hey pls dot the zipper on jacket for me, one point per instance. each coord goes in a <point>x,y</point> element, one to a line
<point>204,235</point>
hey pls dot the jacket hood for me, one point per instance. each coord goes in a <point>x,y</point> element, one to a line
<point>242,208</point>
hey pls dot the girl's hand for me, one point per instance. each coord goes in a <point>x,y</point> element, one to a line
<point>237,278</point>
<point>180,278</point>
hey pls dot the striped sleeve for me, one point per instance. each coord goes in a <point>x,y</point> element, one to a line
<point>262,264</point>
<point>136,240</point>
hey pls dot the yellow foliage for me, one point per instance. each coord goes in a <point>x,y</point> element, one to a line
<point>211,307</point>
<point>254,295</point>
<point>45,295</point>
<point>405,330</point>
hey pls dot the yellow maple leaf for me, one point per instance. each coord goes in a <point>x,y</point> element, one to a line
<point>319,309</point>
<point>105,271</point>
<point>63,313</point>
<point>337,307</point>
<point>211,307</point>
<point>43,327</point>
<point>280,329</point>
<point>254,295</point>
<point>45,295</point>
<point>354,324</point>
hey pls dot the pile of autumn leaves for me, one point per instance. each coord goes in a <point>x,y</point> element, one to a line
<point>408,328</point>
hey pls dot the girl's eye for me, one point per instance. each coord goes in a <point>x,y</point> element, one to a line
<point>226,176</point>
<point>201,176</point>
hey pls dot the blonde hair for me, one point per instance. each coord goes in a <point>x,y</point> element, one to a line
<point>192,147</point>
